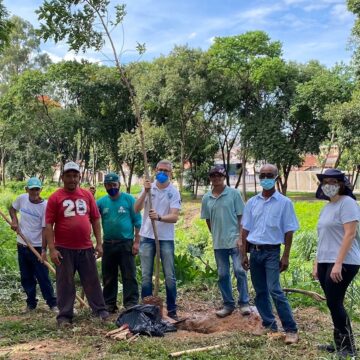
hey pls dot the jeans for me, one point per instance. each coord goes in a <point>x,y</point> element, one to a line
<point>32,271</point>
<point>118,254</point>
<point>147,253</point>
<point>265,276</point>
<point>335,293</point>
<point>84,262</point>
<point>222,257</point>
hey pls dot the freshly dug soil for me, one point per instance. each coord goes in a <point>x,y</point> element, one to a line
<point>154,300</point>
<point>210,323</point>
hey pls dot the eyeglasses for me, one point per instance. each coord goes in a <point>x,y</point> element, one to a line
<point>163,170</point>
<point>266,176</point>
<point>217,175</point>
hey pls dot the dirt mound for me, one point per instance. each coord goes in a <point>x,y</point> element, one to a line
<point>210,323</point>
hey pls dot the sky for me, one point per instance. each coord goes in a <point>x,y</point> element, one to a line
<point>307,29</point>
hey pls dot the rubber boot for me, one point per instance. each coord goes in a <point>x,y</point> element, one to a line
<point>345,346</point>
<point>330,347</point>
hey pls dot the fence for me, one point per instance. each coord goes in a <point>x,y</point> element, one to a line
<point>301,181</point>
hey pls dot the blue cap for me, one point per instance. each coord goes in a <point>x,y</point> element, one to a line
<point>111,177</point>
<point>33,183</point>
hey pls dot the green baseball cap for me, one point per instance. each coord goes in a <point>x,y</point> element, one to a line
<point>111,177</point>
<point>33,183</point>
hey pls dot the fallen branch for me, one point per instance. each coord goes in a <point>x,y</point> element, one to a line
<point>179,353</point>
<point>312,294</point>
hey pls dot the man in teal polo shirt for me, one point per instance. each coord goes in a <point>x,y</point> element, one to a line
<point>222,208</point>
<point>120,223</point>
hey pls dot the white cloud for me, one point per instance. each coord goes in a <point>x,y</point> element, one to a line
<point>71,56</point>
<point>294,2</point>
<point>192,35</point>
<point>315,7</point>
<point>341,12</point>
<point>258,14</point>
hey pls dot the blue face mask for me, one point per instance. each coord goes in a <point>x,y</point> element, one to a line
<point>161,177</point>
<point>113,191</point>
<point>267,184</point>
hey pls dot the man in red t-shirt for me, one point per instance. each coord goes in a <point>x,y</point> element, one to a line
<point>70,214</point>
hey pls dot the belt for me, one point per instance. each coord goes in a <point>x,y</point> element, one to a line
<point>263,247</point>
<point>114,242</point>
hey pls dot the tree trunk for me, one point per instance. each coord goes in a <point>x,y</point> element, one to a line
<point>228,155</point>
<point>327,152</point>
<point>196,189</point>
<point>255,177</point>
<point>181,175</point>
<point>128,186</point>
<point>3,168</point>
<point>356,176</point>
<point>244,175</point>
<point>239,178</point>
<point>124,176</point>
<point>338,158</point>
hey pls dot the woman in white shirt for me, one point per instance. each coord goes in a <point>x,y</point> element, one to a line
<point>338,254</point>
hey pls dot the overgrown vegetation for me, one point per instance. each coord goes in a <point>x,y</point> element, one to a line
<point>197,281</point>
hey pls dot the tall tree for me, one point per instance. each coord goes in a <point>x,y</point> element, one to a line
<point>292,123</point>
<point>5,27</point>
<point>23,51</point>
<point>174,93</point>
<point>251,65</point>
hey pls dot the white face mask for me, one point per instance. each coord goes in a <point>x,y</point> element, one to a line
<point>330,190</point>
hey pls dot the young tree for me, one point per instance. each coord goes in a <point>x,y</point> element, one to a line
<point>77,21</point>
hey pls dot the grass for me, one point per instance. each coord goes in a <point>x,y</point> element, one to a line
<point>86,339</point>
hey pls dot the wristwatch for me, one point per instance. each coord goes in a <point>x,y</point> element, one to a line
<point>159,218</point>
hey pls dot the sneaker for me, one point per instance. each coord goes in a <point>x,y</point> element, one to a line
<point>245,309</point>
<point>330,348</point>
<point>112,309</point>
<point>103,315</point>
<point>224,312</point>
<point>291,338</point>
<point>173,315</point>
<point>63,323</point>
<point>27,309</point>
<point>54,309</point>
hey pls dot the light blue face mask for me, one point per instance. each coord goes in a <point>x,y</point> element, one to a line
<point>267,184</point>
<point>161,177</point>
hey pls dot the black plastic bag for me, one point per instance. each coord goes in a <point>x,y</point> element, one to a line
<point>145,320</point>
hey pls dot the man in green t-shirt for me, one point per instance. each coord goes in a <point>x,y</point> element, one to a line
<point>222,208</point>
<point>120,223</point>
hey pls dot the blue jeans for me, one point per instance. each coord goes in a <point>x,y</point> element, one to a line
<point>222,257</point>
<point>147,253</point>
<point>265,276</point>
<point>32,271</point>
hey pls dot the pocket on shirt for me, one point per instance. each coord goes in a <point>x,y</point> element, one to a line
<point>274,221</point>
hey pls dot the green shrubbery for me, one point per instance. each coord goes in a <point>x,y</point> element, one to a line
<point>194,257</point>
